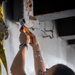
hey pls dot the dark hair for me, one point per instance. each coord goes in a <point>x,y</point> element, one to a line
<point>63,70</point>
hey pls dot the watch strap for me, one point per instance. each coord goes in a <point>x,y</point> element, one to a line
<point>22,45</point>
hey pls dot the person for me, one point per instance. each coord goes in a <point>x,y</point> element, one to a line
<point>18,64</point>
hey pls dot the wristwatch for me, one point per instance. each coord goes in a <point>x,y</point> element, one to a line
<point>22,45</point>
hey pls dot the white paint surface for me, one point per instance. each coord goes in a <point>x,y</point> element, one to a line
<point>53,50</point>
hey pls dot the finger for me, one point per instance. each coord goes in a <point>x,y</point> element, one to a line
<point>23,32</point>
<point>32,35</point>
<point>31,43</point>
<point>30,32</point>
<point>31,39</point>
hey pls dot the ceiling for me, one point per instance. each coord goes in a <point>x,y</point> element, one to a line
<point>62,12</point>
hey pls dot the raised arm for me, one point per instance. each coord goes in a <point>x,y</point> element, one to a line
<point>18,64</point>
<point>38,60</point>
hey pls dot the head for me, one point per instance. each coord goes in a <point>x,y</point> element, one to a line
<point>61,69</point>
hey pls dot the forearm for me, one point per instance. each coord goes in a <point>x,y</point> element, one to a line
<point>38,61</point>
<point>18,64</point>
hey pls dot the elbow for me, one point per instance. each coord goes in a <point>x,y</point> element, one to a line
<point>16,70</point>
<point>12,70</point>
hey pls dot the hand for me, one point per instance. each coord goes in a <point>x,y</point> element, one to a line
<point>33,40</point>
<point>24,38</point>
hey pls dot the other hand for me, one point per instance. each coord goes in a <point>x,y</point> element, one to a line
<point>24,38</point>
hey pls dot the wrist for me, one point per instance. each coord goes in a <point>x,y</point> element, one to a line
<point>23,45</point>
<point>36,47</point>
